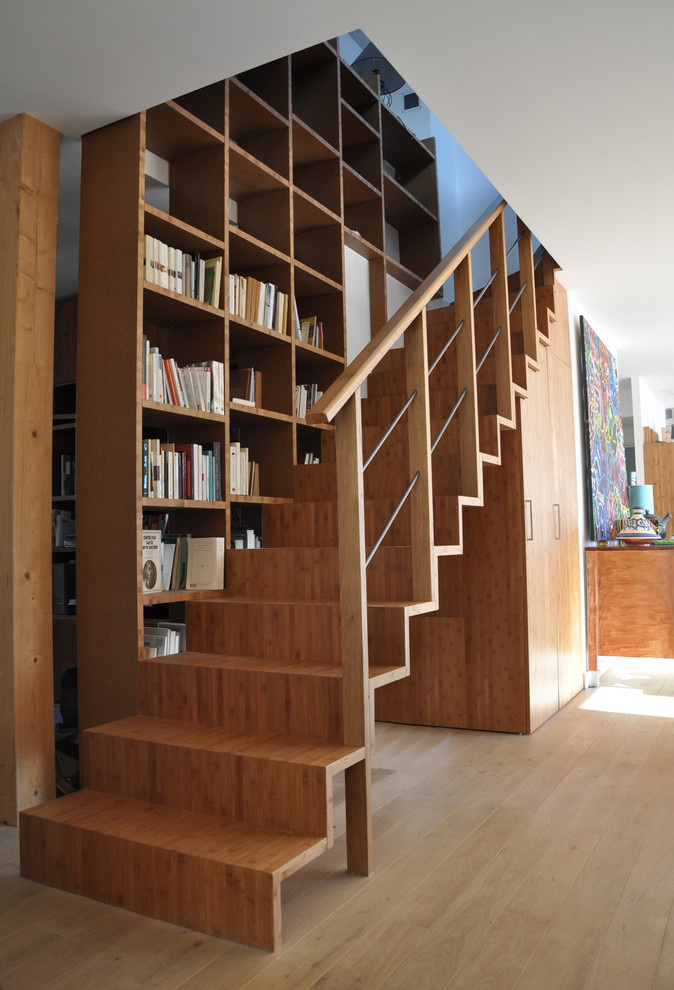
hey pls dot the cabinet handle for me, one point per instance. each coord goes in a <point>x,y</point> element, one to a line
<point>530,503</point>
<point>558,534</point>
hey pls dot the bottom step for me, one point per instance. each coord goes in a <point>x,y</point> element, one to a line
<point>194,870</point>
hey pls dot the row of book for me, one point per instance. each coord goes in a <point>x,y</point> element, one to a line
<point>260,302</point>
<point>62,528</point>
<point>306,396</point>
<point>63,475</point>
<point>187,274</point>
<point>194,386</point>
<point>244,473</point>
<point>246,538</point>
<point>164,639</point>
<point>182,562</point>
<point>182,470</point>
<point>310,331</point>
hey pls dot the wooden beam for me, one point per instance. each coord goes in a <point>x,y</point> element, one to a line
<point>528,299</point>
<point>29,162</point>
<point>357,719</point>
<point>471,467</point>
<point>424,571</point>
<point>500,305</point>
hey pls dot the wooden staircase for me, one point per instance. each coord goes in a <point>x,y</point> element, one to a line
<point>195,810</point>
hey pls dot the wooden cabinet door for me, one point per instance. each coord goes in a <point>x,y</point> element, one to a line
<point>541,551</point>
<point>565,507</point>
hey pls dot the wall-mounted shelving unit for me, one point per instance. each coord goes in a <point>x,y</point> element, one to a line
<point>274,171</point>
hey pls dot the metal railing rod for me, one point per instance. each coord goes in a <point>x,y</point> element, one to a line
<point>392,519</point>
<point>489,347</point>
<point>449,419</point>
<point>390,429</point>
<point>444,348</point>
<point>493,276</point>
<point>514,244</point>
<point>517,298</point>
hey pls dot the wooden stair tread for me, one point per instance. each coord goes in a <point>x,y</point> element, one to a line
<point>260,745</point>
<point>315,668</point>
<point>241,844</point>
<point>266,600</point>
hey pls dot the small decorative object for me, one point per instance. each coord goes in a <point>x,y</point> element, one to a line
<point>638,530</point>
<point>658,524</point>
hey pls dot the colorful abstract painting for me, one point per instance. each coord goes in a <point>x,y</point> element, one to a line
<point>605,443</point>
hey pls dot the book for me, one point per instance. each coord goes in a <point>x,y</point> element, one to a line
<point>245,386</point>
<point>151,575</point>
<point>205,563</point>
<point>212,279</point>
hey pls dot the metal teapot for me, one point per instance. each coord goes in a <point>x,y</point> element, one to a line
<point>658,524</point>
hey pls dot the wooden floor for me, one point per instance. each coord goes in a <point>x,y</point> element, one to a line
<point>502,862</point>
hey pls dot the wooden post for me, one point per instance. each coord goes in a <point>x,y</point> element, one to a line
<point>503,361</point>
<point>356,707</point>
<point>471,467</point>
<point>29,162</point>
<point>528,299</point>
<point>424,571</point>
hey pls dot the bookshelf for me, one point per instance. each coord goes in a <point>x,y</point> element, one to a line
<point>275,172</point>
<point>64,431</point>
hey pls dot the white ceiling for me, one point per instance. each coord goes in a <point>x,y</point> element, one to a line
<point>566,108</point>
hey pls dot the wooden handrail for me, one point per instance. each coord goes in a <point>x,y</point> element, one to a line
<point>357,372</point>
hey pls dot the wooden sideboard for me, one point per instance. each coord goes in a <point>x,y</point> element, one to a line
<point>629,602</point>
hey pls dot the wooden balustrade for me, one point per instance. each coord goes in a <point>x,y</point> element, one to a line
<point>341,404</point>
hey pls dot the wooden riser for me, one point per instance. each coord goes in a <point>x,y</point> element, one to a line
<point>300,632</point>
<point>295,568</point>
<point>246,695</point>
<point>192,870</point>
<point>277,781</point>
<point>285,630</point>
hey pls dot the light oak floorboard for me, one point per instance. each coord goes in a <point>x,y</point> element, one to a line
<point>501,862</point>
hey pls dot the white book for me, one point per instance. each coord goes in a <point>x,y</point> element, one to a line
<point>234,456</point>
<point>188,383</point>
<point>179,633</point>
<point>243,471</point>
<point>205,563</point>
<point>151,576</point>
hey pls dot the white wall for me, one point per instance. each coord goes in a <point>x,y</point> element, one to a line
<point>647,410</point>
<point>357,292</point>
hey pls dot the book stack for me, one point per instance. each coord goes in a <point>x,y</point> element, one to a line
<point>245,386</point>
<point>246,538</point>
<point>187,274</point>
<point>311,458</point>
<point>306,396</point>
<point>244,473</point>
<point>259,302</point>
<point>180,562</point>
<point>195,386</point>
<point>164,639</point>
<point>182,470</point>
<point>311,331</point>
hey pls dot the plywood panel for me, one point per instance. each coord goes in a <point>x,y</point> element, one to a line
<point>633,594</point>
